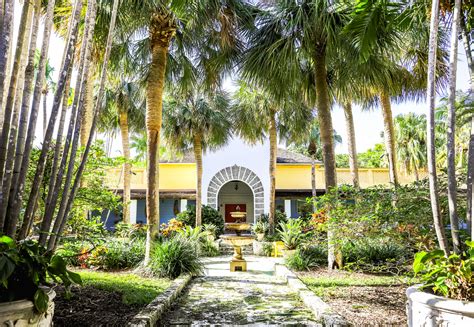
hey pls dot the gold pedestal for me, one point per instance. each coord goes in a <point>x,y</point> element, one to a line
<point>238,265</point>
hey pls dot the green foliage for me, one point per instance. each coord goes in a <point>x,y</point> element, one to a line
<point>291,233</point>
<point>175,256</point>
<point>375,255</point>
<point>307,257</point>
<point>135,231</point>
<point>260,227</point>
<point>451,276</point>
<point>134,289</point>
<point>25,267</point>
<point>117,254</point>
<point>208,248</point>
<point>373,158</point>
<point>209,216</point>
<point>342,160</point>
<point>280,217</point>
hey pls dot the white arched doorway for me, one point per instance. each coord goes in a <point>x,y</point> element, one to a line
<point>222,192</point>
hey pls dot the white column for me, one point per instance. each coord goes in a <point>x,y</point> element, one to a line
<point>288,208</point>
<point>133,211</point>
<point>183,205</point>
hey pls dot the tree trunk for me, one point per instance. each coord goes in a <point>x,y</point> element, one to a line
<point>431,147</point>
<point>272,168</point>
<point>25,111</point>
<point>162,29</point>
<point>327,140</point>
<point>53,241</point>
<point>313,182</point>
<point>45,112</point>
<point>351,143</point>
<point>9,104</point>
<point>451,145</point>
<point>5,43</point>
<point>39,173</point>
<point>78,105</point>
<point>197,146</point>
<point>10,158</point>
<point>123,121</point>
<point>389,136</point>
<point>470,156</point>
<point>88,108</point>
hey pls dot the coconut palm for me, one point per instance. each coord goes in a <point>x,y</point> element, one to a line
<point>124,110</point>
<point>258,115</point>
<point>200,122</point>
<point>155,31</point>
<point>411,142</point>
<point>49,85</point>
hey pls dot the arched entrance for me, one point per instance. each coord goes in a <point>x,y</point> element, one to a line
<point>249,181</point>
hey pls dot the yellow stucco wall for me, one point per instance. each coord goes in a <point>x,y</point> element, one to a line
<point>182,176</point>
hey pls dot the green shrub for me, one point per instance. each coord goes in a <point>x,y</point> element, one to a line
<point>450,277</point>
<point>208,248</point>
<point>280,217</point>
<point>70,252</point>
<point>291,233</point>
<point>375,255</point>
<point>209,216</point>
<point>130,231</point>
<point>174,257</point>
<point>306,258</point>
<point>122,254</point>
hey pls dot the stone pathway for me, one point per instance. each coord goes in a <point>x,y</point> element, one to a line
<point>255,298</point>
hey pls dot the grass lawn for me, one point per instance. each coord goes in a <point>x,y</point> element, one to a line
<point>106,298</point>
<point>134,289</point>
<point>363,299</point>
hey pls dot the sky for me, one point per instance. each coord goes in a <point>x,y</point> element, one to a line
<point>368,124</point>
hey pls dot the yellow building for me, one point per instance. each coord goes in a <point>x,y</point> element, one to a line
<point>238,180</point>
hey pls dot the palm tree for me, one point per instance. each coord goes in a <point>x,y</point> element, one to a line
<point>310,145</point>
<point>258,115</point>
<point>211,26</point>
<point>49,85</point>
<point>139,145</point>
<point>124,110</point>
<point>200,122</point>
<point>437,218</point>
<point>411,142</point>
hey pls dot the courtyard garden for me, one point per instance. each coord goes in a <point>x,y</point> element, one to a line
<point>195,162</point>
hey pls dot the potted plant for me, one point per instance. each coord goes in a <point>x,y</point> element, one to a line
<point>291,235</point>
<point>446,295</point>
<point>26,270</point>
<point>260,228</point>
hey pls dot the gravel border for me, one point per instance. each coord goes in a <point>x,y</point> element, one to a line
<point>152,313</point>
<point>320,308</point>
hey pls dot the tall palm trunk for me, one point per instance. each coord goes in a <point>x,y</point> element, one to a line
<point>327,140</point>
<point>272,131</point>
<point>123,122</point>
<point>162,29</point>
<point>5,43</point>
<point>197,146</point>
<point>451,145</point>
<point>431,147</point>
<point>351,143</point>
<point>389,136</point>
<point>470,158</point>
<point>313,182</point>
<point>10,158</point>
<point>45,111</point>
<point>13,177</point>
<point>25,21</point>
<point>15,200</point>
<point>88,108</point>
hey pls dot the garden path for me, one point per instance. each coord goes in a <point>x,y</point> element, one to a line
<point>256,298</point>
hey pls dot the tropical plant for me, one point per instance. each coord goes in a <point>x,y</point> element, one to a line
<point>260,227</point>
<point>306,257</point>
<point>200,122</point>
<point>27,267</point>
<point>124,109</point>
<point>209,216</point>
<point>175,256</point>
<point>291,233</point>
<point>451,276</point>
<point>258,115</point>
<point>411,142</point>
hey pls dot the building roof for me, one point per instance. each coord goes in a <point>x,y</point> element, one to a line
<point>283,156</point>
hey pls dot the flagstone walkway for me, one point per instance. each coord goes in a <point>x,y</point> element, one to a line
<point>255,297</point>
